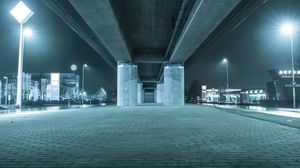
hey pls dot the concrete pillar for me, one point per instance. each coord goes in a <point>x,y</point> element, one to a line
<point>160,93</point>
<point>155,96</point>
<point>174,84</point>
<point>127,84</point>
<point>140,93</point>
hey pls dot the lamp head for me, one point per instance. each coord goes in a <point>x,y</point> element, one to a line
<point>28,32</point>
<point>225,60</point>
<point>21,12</point>
<point>287,28</point>
<point>85,65</point>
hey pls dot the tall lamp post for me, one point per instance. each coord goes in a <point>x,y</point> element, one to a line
<point>83,92</point>
<point>288,29</point>
<point>227,75</point>
<point>22,14</point>
<point>73,68</point>
<point>6,93</point>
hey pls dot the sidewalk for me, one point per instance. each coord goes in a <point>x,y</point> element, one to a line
<point>285,112</point>
<point>282,116</point>
<point>27,110</point>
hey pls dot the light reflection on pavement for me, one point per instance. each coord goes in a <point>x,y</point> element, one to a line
<point>37,110</point>
<point>287,112</point>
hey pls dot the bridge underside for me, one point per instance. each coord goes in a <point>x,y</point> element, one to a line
<point>149,41</point>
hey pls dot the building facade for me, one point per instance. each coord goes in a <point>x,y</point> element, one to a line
<point>280,88</point>
<point>233,96</point>
<point>43,86</point>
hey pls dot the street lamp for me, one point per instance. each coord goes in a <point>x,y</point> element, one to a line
<point>227,78</point>
<point>22,14</point>
<point>288,29</point>
<point>83,67</point>
<point>6,93</point>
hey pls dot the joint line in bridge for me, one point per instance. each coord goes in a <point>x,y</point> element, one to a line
<point>186,29</point>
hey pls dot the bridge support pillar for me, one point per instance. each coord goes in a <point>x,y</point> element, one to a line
<point>140,93</point>
<point>127,84</point>
<point>155,96</point>
<point>160,92</point>
<point>174,84</point>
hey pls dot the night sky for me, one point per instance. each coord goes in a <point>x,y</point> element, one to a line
<point>252,48</point>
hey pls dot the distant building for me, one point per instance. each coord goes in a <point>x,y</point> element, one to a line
<point>233,96</point>
<point>280,88</point>
<point>252,96</point>
<point>44,86</point>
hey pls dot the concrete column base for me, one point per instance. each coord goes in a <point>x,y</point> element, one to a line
<point>174,84</point>
<point>127,85</point>
<point>160,93</point>
<point>140,93</point>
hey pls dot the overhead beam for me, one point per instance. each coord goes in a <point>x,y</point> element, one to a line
<point>101,18</point>
<point>149,88</point>
<point>146,58</point>
<point>205,16</point>
<point>232,21</point>
<point>70,16</point>
<point>149,81</point>
<point>183,16</point>
<point>149,55</point>
<point>185,10</point>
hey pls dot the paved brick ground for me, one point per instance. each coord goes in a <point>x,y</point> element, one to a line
<point>189,136</point>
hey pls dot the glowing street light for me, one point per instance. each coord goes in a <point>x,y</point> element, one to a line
<point>83,91</point>
<point>227,75</point>
<point>22,14</point>
<point>288,29</point>
<point>28,33</point>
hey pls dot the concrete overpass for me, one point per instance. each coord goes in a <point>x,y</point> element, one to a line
<point>149,42</point>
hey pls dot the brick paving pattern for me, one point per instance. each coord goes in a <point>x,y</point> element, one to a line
<point>146,136</point>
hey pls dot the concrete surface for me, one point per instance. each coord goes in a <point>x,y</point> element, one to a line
<point>287,117</point>
<point>173,84</point>
<point>145,136</point>
<point>127,84</point>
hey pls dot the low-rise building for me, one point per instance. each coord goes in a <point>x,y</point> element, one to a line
<point>44,86</point>
<point>233,96</point>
